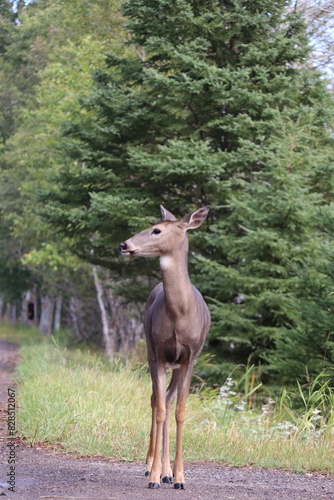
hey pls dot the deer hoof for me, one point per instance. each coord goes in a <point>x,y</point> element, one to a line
<point>167,479</point>
<point>180,486</point>
<point>147,473</point>
<point>153,486</point>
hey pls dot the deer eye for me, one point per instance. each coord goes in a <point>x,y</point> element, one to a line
<point>156,231</point>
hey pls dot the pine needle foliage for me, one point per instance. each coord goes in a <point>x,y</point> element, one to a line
<point>217,106</point>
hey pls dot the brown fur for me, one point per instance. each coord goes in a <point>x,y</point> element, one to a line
<point>177,321</point>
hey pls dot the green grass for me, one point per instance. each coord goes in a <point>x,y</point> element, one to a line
<point>21,334</point>
<point>74,398</point>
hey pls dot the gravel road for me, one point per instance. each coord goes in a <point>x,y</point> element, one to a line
<point>42,473</point>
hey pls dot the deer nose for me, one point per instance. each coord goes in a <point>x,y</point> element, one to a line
<point>123,246</point>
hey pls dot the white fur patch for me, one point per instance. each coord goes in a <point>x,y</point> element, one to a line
<point>172,366</point>
<point>165,263</point>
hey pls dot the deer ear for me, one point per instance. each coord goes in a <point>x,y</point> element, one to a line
<point>195,219</point>
<point>166,215</point>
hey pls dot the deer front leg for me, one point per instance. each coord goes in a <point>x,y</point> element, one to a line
<point>183,390</point>
<point>167,474</point>
<point>153,437</point>
<point>159,391</point>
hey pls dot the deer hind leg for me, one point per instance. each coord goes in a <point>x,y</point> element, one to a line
<point>182,393</point>
<point>158,375</point>
<point>167,474</point>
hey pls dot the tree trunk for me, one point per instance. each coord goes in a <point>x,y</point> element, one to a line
<point>57,318</point>
<point>76,318</point>
<point>122,322</point>
<point>29,308</point>
<point>107,338</point>
<point>46,320</point>
<point>10,313</point>
<point>24,309</point>
<point>126,324</point>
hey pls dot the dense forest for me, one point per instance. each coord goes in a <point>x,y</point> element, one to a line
<point>108,109</point>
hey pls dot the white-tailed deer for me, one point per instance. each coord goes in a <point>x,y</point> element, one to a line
<point>177,321</point>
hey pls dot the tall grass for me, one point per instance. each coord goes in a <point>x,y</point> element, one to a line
<point>76,399</point>
<point>22,334</point>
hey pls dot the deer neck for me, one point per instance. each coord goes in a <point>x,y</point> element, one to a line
<point>176,281</point>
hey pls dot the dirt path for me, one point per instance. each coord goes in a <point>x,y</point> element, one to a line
<point>51,474</point>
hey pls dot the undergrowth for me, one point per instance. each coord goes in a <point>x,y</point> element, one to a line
<point>74,398</point>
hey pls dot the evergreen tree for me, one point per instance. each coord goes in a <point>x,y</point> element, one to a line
<point>217,109</point>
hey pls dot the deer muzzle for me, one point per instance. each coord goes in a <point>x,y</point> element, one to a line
<point>126,249</point>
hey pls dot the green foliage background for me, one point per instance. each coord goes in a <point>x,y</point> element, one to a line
<point>184,103</point>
